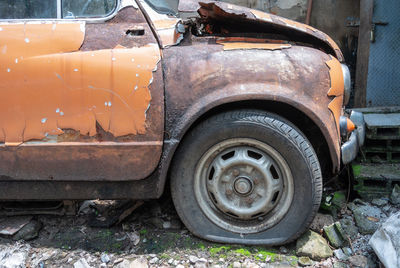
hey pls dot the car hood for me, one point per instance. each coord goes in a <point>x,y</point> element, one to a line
<point>258,21</point>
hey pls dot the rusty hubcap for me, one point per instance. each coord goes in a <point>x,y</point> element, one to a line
<point>243,185</point>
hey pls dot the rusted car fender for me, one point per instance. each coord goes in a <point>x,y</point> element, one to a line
<point>203,76</point>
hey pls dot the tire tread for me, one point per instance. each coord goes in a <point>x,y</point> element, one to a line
<point>292,133</point>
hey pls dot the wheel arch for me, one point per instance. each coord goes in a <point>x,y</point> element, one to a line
<point>296,116</point>
<point>313,128</point>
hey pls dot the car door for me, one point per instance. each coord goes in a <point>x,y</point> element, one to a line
<point>81,91</point>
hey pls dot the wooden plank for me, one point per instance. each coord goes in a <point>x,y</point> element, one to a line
<point>364,39</point>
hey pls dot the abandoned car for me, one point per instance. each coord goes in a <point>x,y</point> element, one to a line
<point>241,112</point>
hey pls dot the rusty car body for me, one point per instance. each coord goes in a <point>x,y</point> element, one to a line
<point>97,107</point>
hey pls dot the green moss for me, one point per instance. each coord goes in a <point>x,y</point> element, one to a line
<point>292,260</point>
<point>217,250</point>
<point>143,232</point>
<point>165,256</point>
<point>116,246</point>
<point>201,246</point>
<point>243,251</point>
<point>224,256</point>
<point>104,235</point>
<point>356,170</point>
<point>339,199</point>
<point>188,242</point>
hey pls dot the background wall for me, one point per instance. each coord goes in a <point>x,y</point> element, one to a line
<point>331,16</point>
<point>337,18</point>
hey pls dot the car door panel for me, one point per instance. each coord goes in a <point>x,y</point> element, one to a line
<point>73,114</point>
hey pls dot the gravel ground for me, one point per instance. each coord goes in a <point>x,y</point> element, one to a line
<point>153,236</point>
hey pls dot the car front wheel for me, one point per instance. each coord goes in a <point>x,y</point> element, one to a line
<point>246,177</point>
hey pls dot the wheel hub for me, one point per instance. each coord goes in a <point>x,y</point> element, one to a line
<point>243,186</point>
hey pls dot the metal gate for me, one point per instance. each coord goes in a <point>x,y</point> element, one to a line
<point>383,86</point>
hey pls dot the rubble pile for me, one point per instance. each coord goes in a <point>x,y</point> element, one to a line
<point>153,236</point>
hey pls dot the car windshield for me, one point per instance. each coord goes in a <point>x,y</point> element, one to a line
<point>169,7</point>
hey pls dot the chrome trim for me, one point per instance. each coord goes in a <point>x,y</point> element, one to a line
<point>358,119</point>
<point>347,83</point>
<point>88,20</point>
<point>351,147</point>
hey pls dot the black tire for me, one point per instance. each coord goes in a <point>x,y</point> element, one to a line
<point>202,181</point>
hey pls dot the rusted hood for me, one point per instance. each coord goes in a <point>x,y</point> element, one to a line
<point>257,21</point>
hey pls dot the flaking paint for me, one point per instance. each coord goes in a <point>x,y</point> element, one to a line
<point>336,90</point>
<point>49,85</point>
<point>244,45</point>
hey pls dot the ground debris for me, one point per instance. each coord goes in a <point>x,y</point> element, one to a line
<point>367,217</point>
<point>313,245</point>
<point>395,195</point>
<point>67,241</point>
<point>106,213</point>
<point>29,231</point>
<point>11,225</point>
<point>81,263</point>
<point>336,235</point>
<point>386,242</point>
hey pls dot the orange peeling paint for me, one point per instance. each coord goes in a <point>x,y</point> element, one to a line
<point>249,40</point>
<point>49,85</point>
<point>165,23</point>
<point>166,29</point>
<point>336,89</point>
<point>169,37</point>
<point>336,108</point>
<point>336,75</point>
<point>245,45</point>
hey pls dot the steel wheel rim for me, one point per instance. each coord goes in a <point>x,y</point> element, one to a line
<point>243,185</point>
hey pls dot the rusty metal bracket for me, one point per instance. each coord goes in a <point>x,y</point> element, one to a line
<point>356,23</point>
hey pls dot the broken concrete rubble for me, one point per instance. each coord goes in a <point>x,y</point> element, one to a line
<point>386,242</point>
<point>395,195</point>
<point>137,238</point>
<point>305,261</point>
<point>11,225</point>
<point>348,226</point>
<point>320,221</point>
<point>81,263</point>
<point>313,245</point>
<point>379,202</point>
<point>29,231</point>
<point>367,217</point>
<point>340,255</point>
<point>339,265</point>
<point>15,256</point>
<point>336,235</point>
<point>358,261</point>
